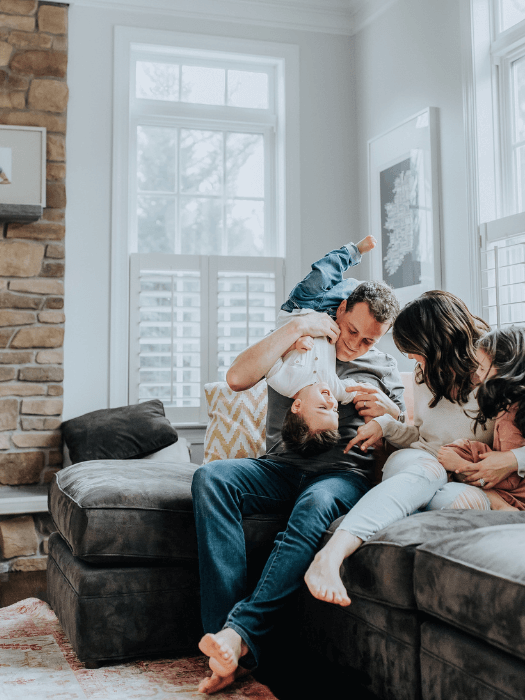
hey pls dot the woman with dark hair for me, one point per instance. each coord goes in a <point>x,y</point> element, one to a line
<point>439,332</point>
<point>501,396</point>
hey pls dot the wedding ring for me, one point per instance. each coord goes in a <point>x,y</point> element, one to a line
<point>364,404</point>
<point>482,482</point>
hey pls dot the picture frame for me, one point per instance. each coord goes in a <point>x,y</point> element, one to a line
<point>404,206</point>
<point>22,171</point>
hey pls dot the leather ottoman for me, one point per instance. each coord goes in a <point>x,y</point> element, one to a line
<point>123,566</point>
<point>474,589</point>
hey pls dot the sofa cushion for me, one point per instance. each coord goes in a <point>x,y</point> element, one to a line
<point>117,511</point>
<point>476,582</point>
<point>237,422</point>
<point>382,569</point>
<point>127,432</point>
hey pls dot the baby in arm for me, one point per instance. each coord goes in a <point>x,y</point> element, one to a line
<point>307,371</point>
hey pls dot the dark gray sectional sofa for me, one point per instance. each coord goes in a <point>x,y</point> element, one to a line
<point>438,599</point>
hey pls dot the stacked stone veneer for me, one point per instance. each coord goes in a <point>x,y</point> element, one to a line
<point>33,92</point>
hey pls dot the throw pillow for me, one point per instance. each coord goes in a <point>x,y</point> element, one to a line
<point>128,432</point>
<point>178,452</point>
<point>237,425</point>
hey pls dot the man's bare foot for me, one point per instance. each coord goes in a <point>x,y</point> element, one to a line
<point>215,682</point>
<point>224,649</point>
<point>323,578</point>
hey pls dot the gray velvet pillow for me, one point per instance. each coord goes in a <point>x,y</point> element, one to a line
<point>128,432</point>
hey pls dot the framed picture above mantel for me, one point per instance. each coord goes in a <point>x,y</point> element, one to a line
<point>404,206</point>
<point>22,173</point>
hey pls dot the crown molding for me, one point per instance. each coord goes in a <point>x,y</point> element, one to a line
<point>344,17</point>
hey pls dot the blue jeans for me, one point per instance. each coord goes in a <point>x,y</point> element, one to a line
<point>225,491</point>
<point>324,288</point>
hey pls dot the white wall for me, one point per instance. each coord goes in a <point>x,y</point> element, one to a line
<point>410,58</point>
<point>328,180</point>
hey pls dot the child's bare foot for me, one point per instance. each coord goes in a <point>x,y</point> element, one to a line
<point>497,502</point>
<point>367,244</point>
<point>451,461</point>
<point>224,649</point>
<point>323,578</point>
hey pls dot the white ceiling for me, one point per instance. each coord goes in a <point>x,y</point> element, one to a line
<point>333,16</point>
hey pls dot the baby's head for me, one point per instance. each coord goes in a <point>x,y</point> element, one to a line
<point>310,424</point>
<point>501,352</point>
<point>501,374</point>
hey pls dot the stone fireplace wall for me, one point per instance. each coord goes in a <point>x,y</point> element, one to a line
<point>33,92</point>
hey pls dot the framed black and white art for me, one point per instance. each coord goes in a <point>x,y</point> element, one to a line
<point>404,207</point>
<point>22,172</point>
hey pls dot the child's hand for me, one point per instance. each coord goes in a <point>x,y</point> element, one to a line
<point>449,459</point>
<point>304,343</point>
<point>367,435</point>
<point>366,244</point>
<point>462,442</point>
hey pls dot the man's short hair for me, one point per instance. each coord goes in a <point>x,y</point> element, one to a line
<point>297,437</point>
<point>381,300</point>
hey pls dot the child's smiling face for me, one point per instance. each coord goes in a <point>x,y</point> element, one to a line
<point>317,407</point>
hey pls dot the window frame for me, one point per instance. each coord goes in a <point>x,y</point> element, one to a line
<point>285,60</point>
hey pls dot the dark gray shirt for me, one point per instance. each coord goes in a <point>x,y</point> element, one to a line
<point>376,368</point>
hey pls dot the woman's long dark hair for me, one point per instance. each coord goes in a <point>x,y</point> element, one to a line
<point>439,326</point>
<point>505,348</point>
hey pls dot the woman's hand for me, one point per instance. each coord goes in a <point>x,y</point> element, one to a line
<point>494,467</point>
<point>367,435</point>
<point>371,401</point>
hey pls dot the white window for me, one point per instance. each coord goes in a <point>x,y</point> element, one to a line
<point>499,75</point>
<point>503,270</point>
<point>204,202</point>
<point>508,61</point>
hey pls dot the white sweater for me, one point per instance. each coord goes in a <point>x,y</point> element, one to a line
<point>435,427</point>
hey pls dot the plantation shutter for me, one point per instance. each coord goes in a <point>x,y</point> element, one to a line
<point>190,317</point>
<point>503,270</point>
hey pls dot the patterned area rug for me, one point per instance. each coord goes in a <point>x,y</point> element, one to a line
<point>37,662</point>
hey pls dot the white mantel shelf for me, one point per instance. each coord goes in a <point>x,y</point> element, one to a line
<point>23,499</point>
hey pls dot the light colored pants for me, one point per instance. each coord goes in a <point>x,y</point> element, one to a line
<point>413,480</point>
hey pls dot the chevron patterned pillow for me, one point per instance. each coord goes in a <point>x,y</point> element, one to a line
<point>237,425</point>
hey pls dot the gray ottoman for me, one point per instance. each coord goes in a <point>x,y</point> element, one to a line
<point>123,565</point>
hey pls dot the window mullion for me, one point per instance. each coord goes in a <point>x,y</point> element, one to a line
<point>224,242</point>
